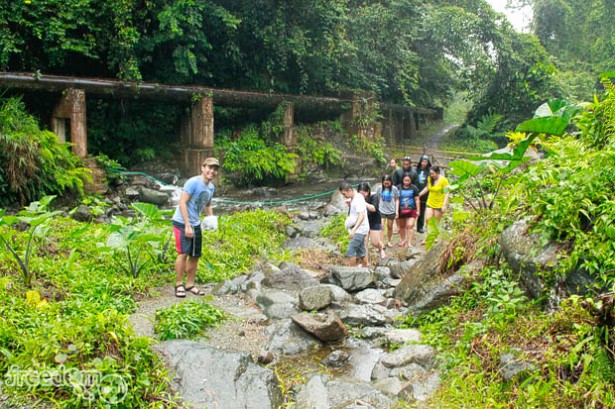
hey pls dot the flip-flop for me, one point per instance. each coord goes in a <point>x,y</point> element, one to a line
<point>180,291</point>
<point>401,244</point>
<point>194,290</point>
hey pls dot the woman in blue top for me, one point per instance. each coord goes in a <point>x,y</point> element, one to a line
<point>388,196</point>
<point>409,209</point>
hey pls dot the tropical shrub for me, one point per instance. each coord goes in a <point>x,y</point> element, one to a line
<point>186,320</point>
<point>34,162</point>
<point>320,153</point>
<point>251,159</point>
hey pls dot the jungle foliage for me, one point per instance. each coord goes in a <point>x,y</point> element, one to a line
<point>69,315</point>
<point>564,357</point>
<point>34,162</point>
<point>407,51</point>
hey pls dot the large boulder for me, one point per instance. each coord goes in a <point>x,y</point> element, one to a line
<point>315,298</point>
<point>211,378</point>
<point>290,278</point>
<point>326,327</point>
<point>153,196</point>
<point>321,393</point>
<point>526,253</point>
<point>351,278</point>
<point>423,288</point>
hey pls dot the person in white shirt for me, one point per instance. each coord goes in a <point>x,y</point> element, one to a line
<point>357,225</point>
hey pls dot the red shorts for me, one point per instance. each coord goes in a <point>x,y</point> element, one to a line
<point>408,214</point>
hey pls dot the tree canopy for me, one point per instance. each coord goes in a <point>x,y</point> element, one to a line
<point>407,51</point>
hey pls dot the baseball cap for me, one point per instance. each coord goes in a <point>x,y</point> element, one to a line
<point>211,162</point>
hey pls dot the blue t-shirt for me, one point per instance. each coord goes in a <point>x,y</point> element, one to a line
<point>407,197</point>
<point>200,196</point>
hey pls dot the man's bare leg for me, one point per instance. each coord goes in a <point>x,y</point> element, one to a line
<point>191,265</point>
<point>180,268</point>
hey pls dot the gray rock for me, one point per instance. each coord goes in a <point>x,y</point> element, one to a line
<point>338,293</point>
<point>383,275</point>
<point>131,191</point>
<point>336,205</point>
<point>313,395</point>
<point>286,338</point>
<point>291,278</point>
<point>277,304</point>
<point>401,336</point>
<point>153,196</point>
<point>280,311</point>
<point>380,372</point>
<point>253,281</point>
<point>426,388</point>
<point>370,296</point>
<point>389,386</point>
<point>345,394</point>
<point>357,315</point>
<point>423,289</point>
<point>351,278</point>
<point>399,270</point>
<point>527,255</point>
<point>315,298</point>
<point>268,298</point>
<point>410,373</point>
<point>309,228</point>
<point>325,327</point>
<point>336,358</point>
<point>419,354</point>
<point>207,377</point>
<point>230,286</point>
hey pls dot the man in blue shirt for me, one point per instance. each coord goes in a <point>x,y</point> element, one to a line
<point>195,198</point>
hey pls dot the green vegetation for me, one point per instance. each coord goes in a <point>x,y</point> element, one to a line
<point>85,281</point>
<point>186,320</point>
<point>567,354</point>
<point>336,232</point>
<point>34,162</point>
<point>255,160</point>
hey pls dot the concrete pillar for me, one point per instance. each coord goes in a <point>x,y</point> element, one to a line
<point>412,125</point>
<point>197,136</point>
<point>362,117</point>
<point>72,107</point>
<point>288,137</point>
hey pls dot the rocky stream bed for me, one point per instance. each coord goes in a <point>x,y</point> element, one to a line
<point>335,325</point>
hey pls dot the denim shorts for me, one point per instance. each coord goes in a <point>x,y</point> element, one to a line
<point>356,247</point>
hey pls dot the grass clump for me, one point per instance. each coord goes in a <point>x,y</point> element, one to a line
<point>186,320</point>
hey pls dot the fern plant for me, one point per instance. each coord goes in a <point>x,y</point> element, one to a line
<point>251,160</point>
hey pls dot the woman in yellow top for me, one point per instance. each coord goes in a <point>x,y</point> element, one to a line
<point>438,198</point>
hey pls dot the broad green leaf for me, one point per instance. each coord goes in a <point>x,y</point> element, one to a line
<point>433,227</point>
<point>464,167</point>
<point>552,125</point>
<point>147,210</point>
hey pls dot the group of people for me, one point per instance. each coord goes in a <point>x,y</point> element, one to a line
<point>409,196</point>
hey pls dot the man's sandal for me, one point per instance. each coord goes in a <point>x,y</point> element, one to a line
<point>194,290</point>
<point>180,291</point>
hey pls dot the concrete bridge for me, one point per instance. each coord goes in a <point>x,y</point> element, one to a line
<point>398,124</point>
